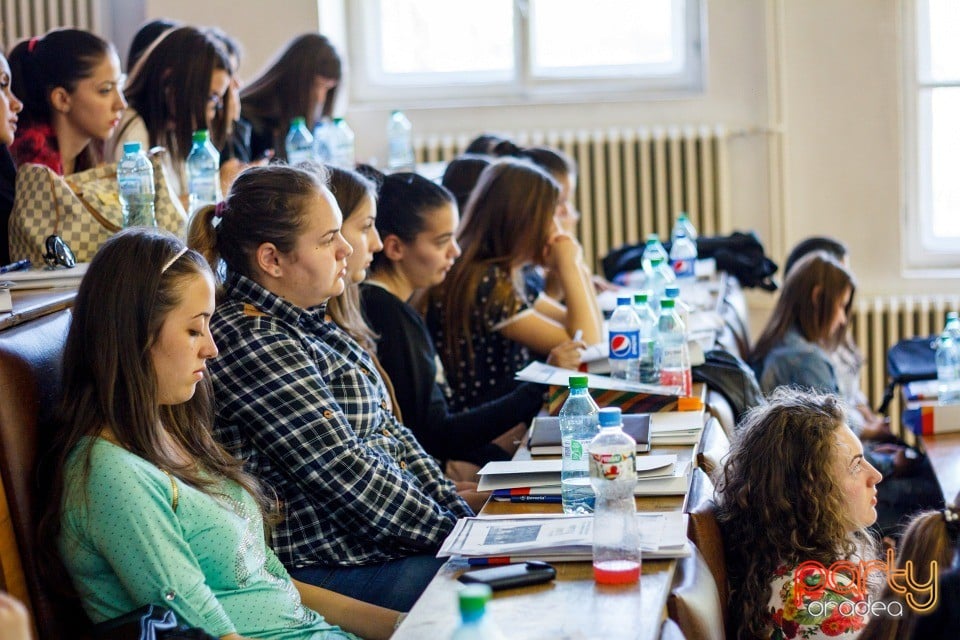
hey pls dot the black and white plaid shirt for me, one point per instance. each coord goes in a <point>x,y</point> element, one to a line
<point>302,403</point>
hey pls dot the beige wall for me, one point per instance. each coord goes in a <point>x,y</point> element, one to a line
<point>815,84</point>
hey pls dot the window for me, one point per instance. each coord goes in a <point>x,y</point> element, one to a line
<point>932,109</point>
<point>412,52</point>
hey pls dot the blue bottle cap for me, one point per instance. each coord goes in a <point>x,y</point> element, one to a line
<point>623,300</point>
<point>610,417</point>
<point>672,292</point>
<point>131,147</point>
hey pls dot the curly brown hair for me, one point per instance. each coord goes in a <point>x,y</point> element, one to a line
<point>779,499</point>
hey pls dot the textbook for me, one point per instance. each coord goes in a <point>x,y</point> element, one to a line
<point>46,278</point>
<point>673,480</point>
<point>545,433</point>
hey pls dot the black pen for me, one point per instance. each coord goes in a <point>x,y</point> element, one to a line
<point>19,265</point>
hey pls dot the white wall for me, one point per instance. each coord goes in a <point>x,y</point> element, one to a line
<point>825,73</point>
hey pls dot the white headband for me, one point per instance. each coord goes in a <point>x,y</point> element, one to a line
<point>172,260</point>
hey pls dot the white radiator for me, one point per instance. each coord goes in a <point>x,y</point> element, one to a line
<point>632,181</point>
<point>880,322</point>
<point>27,18</point>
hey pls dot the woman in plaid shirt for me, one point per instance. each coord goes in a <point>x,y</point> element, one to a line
<point>365,507</point>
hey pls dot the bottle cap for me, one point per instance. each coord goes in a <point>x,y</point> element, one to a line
<point>656,261</point>
<point>689,403</point>
<point>652,237</point>
<point>201,135</point>
<point>672,292</point>
<point>640,298</point>
<point>337,120</point>
<point>299,120</point>
<point>682,216</point>
<point>623,300</point>
<point>610,417</point>
<point>578,382</point>
<point>667,303</point>
<point>473,600</point>
<point>131,147</point>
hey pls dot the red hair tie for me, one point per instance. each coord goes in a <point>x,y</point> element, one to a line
<point>32,44</point>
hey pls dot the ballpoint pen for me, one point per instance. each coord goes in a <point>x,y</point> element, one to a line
<point>19,265</point>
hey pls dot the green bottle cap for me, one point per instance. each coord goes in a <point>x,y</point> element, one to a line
<point>473,601</point>
<point>201,135</point>
<point>578,382</point>
<point>668,303</point>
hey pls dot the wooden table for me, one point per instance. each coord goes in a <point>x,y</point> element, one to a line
<point>944,453</point>
<point>33,303</point>
<point>571,607</point>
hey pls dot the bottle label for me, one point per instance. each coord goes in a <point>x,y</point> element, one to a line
<point>612,465</point>
<point>683,267</point>
<point>624,345</point>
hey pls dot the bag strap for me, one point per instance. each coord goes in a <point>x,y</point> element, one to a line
<point>106,224</point>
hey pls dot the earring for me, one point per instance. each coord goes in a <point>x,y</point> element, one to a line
<point>276,272</point>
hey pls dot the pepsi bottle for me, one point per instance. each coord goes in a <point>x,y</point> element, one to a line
<point>625,342</point>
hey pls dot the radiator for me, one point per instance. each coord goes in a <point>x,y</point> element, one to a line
<point>27,18</point>
<point>632,181</point>
<point>882,321</point>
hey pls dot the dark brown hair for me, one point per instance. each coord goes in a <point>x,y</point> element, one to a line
<point>508,222</point>
<point>808,302</point>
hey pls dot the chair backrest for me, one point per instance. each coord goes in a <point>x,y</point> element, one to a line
<point>694,603</point>
<point>701,490</point>
<point>30,378</point>
<point>712,449</point>
<point>704,531</point>
<point>670,630</point>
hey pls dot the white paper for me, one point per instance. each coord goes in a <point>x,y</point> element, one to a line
<point>6,302</point>
<point>46,278</point>
<point>547,374</point>
<point>516,474</point>
<point>662,422</point>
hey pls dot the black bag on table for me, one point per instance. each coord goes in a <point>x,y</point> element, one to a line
<point>909,360</point>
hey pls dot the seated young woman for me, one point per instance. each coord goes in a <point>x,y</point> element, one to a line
<point>10,106</point>
<point>71,86</point>
<point>365,506</point>
<point>479,316</point>
<point>811,500</point>
<point>145,507</point>
<point>418,220</point>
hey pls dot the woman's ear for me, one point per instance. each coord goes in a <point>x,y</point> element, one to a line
<point>816,296</point>
<point>393,248</point>
<point>269,260</point>
<point>60,100</point>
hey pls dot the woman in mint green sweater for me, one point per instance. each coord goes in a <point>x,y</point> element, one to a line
<point>145,507</point>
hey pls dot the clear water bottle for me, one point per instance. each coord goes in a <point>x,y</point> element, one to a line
<point>578,426</point>
<point>203,171</point>
<point>474,623</point>
<point>649,360</point>
<point>343,146</point>
<point>672,292</point>
<point>952,326</point>
<point>658,277</point>
<point>613,473</point>
<point>323,141</point>
<point>683,256</point>
<point>299,142</point>
<point>675,356</point>
<point>136,187</point>
<point>653,251</point>
<point>683,223</point>
<point>624,342</point>
<point>948,369</point>
<point>400,143</point>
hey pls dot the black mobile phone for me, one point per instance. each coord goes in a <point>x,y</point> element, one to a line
<point>511,575</point>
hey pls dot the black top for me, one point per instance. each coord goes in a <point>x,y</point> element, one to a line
<point>407,354</point>
<point>238,144</point>
<point>8,177</point>
<point>944,621</point>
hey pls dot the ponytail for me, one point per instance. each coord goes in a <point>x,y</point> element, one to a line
<point>202,236</point>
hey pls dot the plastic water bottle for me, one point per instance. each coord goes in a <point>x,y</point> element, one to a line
<point>399,143</point>
<point>952,325</point>
<point>203,171</point>
<point>683,222</point>
<point>649,360</point>
<point>948,363</point>
<point>343,145</point>
<point>323,141</point>
<point>675,357</point>
<point>653,251</point>
<point>578,426</point>
<point>658,277</point>
<point>672,292</point>
<point>474,623</point>
<point>624,342</point>
<point>299,142</point>
<point>613,473</point>
<point>135,183</point>
<point>683,256</point>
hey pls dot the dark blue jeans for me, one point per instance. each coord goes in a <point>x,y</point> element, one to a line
<point>395,584</point>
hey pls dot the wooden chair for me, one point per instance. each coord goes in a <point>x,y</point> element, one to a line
<point>712,449</point>
<point>30,358</point>
<point>701,490</point>
<point>719,407</point>
<point>704,531</point>
<point>694,603</point>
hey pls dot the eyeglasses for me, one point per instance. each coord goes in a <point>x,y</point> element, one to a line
<point>215,101</point>
<point>58,253</point>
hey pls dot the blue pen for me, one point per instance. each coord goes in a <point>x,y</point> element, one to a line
<point>19,265</point>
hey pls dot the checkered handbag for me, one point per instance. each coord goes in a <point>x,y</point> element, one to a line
<point>82,208</point>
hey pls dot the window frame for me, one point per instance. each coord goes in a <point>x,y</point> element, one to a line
<point>366,89</point>
<point>923,255</point>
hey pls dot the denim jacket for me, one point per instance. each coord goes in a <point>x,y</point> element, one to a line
<point>797,362</point>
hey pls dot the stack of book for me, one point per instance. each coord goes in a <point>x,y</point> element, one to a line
<point>676,427</point>
<point>545,433</point>
<point>556,538</point>
<point>539,480</point>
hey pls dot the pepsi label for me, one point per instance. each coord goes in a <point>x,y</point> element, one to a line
<point>683,268</point>
<point>624,345</point>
